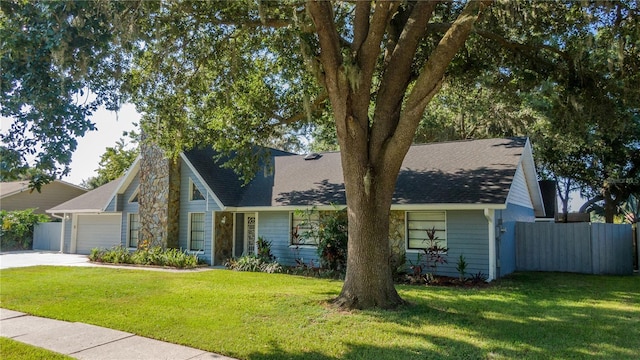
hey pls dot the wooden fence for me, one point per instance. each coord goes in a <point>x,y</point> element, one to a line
<point>46,236</point>
<point>578,247</point>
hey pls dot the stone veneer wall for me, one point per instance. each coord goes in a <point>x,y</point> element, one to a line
<point>396,237</point>
<point>159,197</point>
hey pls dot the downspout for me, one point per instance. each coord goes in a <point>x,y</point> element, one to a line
<point>61,230</point>
<point>489,214</point>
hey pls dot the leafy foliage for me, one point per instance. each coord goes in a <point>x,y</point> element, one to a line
<point>60,62</point>
<point>254,263</point>
<point>145,256</point>
<point>17,228</point>
<point>115,161</point>
<point>461,266</point>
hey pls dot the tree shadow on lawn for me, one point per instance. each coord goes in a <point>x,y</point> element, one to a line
<point>437,348</point>
<point>550,315</point>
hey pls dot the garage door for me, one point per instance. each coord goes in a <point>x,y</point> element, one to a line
<point>97,231</point>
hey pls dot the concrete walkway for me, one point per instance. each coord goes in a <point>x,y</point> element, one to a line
<point>83,341</point>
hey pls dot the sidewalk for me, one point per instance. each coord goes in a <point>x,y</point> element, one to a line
<point>83,341</point>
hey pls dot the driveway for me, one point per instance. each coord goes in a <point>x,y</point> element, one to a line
<point>15,259</point>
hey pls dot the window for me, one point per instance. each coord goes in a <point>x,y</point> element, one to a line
<point>301,224</point>
<point>196,231</point>
<point>194,192</point>
<point>134,196</point>
<point>134,228</point>
<point>419,222</point>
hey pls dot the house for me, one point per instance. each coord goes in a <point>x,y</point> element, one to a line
<point>17,195</point>
<point>472,192</point>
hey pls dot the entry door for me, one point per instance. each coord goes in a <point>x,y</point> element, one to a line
<point>250,234</point>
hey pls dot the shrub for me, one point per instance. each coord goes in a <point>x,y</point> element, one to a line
<point>16,231</point>
<point>332,235</point>
<point>146,256</point>
<point>264,250</point>
<point>253,263</point>
<point>461,267</point>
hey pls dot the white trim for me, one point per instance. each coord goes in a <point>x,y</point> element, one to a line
<point>489,214</point>
<point>214,215</point>
<point>302,246</point>
<point>529,169</point>
<point>74,234</point>
<point>406,207</point>
<point>192,185</point>
<point>207,188</point>
<point>128,237</point>
<point>189,232</point>
<point>406,231</point>
<point>135,193</point>
<point>233,236</point>
<point>124,183</point>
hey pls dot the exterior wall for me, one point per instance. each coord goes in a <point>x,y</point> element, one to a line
<point>275,226</point>
<point>207,206</point>
<point>519,192</point>
<point>159,198</point>
<point>51,195</point>
<point>129,208</point>
<point>506,219</point>
<point>467,235</point>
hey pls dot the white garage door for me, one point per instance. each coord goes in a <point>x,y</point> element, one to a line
<point>97,231</point>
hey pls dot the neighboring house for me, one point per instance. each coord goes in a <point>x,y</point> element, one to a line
<point>472,192</point>
<point>16,195</point>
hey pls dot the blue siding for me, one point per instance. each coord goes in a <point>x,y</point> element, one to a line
<point>128,208</point>
<point>274,226</point>
<point>507,239</point>
<point>467,235</point>
<point>207,206</point>
<point>112,204</point>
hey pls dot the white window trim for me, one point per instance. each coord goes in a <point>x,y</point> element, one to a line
<point>136,192</point>
<point>299,246</point>
<point>192,184</point>
<point>129,215</point>
<point>406,230</point>
<point>201,251</point>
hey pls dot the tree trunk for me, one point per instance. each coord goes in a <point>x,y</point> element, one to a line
<point>369,281</point>
<point>609,206</point>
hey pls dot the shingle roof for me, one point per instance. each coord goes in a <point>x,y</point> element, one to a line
<point>459,172</point>
<point>14,187</point>
<point>94,201</point>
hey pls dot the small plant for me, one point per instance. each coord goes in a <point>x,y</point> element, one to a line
<point>253,263</point>
<point>461,266</point>
<point>434,253</point>
<point>479,278</point>
<point>264,250</point>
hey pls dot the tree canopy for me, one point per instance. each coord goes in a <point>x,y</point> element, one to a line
<point>234,74</point>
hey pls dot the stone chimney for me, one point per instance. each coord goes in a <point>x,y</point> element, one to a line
<point>159,197</point>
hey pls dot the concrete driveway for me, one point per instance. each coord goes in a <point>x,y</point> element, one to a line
<point>15,259</point>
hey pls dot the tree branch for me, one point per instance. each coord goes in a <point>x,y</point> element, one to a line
<point>431,77</point>
<point>315,106</point>
<point>397,74</point>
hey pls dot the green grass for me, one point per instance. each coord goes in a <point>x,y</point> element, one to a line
<point>275,316</point>
<point>15,350</point>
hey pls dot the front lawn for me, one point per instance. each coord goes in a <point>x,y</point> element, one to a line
<point>15,350</point>
<point>275,316</point>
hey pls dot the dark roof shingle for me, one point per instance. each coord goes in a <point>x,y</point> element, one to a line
<point>459,172</point>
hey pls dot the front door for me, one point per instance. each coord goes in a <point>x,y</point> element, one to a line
<point>250,234</point>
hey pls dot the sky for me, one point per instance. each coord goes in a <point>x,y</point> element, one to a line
<point>94,143</point>
<point>110,126</point>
